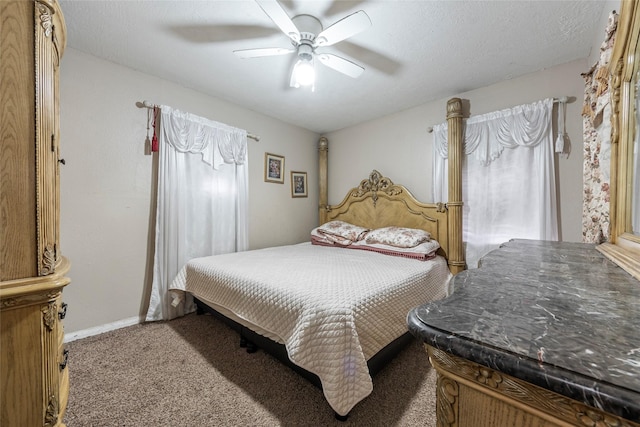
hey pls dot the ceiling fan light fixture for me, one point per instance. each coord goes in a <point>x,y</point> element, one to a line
<point>304,74</point>
<point>306,33</point>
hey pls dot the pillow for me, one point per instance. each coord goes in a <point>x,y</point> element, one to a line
<point>422,251</point>
<point>337,232</point>
<point>399,237</point>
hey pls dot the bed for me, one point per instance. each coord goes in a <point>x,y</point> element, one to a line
<point>334,309</point>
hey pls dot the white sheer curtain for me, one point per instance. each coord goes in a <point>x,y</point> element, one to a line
<point>202,199</point>
<point>508,177</point>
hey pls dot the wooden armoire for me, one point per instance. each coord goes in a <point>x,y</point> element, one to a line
<point>34,380</point>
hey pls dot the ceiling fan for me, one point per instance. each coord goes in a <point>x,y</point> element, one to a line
<point>306,34</point>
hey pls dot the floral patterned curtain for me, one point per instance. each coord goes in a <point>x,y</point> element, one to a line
<point>596,114</point>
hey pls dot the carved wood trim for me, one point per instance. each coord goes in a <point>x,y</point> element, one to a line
<point>50,315</point>
<point>48,260</point>
<point>56,47</point>
<point>27,299</point>
<point>532,397</point>
<point>447,402</point>
<point>45,19</point>
<point>52,412</point>
<point>615,101</point>
<point>375,183</point>
<point>8,303</point>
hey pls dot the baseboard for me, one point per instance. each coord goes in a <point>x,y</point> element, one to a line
<point>96,330</point>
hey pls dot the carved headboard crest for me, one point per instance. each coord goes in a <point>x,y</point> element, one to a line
<point>375,183</point>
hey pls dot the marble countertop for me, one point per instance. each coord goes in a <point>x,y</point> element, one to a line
<point>555,314</point>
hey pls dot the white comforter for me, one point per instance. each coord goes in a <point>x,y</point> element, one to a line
<point>333,308</point>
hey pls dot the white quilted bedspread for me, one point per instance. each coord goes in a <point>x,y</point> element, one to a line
<point>333,308</point>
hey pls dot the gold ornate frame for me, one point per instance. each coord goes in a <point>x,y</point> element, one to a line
<point>623,246</point>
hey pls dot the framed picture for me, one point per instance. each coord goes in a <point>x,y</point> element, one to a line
<point>273,168</point>
<point>298,184</point>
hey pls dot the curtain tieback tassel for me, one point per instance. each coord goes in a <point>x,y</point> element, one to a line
<point>562,131</point>
<point>560,143</point>
<point>154,140</point>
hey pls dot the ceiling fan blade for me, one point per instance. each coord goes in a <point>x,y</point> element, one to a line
<point>267,51</point>
<point>274,10</point>
<point>340,64</point>
<point>343,29</point>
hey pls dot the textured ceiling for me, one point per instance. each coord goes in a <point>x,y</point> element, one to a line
<point>414,52</point>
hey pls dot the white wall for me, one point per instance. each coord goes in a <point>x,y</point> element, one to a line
<point>400,147</point>
<point>107,185</point>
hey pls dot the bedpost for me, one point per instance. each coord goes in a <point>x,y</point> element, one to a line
<point>454,205</point>
<point>323,151</point>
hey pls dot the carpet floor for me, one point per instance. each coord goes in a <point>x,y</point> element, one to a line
<point>191,371</point>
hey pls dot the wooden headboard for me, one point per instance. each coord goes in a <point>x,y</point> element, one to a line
<point>378,202</point>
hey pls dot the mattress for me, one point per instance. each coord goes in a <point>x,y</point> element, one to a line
<point>331,307</point>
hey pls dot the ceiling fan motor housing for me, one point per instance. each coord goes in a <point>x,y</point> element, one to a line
<point>309,26</point>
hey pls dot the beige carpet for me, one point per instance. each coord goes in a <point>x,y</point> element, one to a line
<point>192,372</point>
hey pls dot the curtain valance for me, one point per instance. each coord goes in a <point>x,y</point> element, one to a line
<point>486,135</point>
<point>218,143</point>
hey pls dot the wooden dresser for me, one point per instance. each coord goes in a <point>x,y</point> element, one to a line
<point>542,334</point>
<point>34,380</point>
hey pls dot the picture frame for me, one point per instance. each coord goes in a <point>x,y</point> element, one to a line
<point>298,184</point>
<point>273,168</point>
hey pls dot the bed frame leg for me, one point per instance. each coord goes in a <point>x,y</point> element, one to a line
<point>251,347</point>
<point>341,417</point>
<point>245,343</point>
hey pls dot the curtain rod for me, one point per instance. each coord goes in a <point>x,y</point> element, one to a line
<point>147,104</point>
<point>561,100</point>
